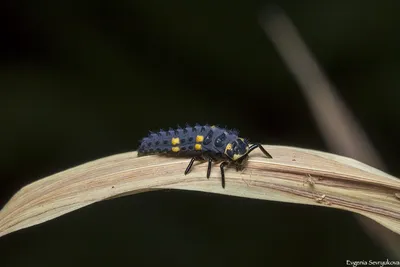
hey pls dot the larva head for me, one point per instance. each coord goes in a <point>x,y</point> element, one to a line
<point>237,149</point>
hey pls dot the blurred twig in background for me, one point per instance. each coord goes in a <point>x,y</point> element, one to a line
<point>338,126</point>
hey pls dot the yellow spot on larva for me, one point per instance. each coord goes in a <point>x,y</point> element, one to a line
<point>228,147</point>
<point>237,156</point>
<point>175,149</point>
<point>199,138</point>
<point>175,141</point>
<point>213,126</point>
<point>197,147</point>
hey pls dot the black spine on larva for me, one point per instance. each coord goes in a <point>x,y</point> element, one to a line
<point>182,141</point>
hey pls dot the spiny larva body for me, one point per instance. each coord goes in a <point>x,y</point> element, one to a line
<point>206,143</point>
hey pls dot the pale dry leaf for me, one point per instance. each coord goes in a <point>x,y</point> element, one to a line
<point>293,175</point>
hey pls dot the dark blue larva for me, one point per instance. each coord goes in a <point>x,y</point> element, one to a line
<point>184,141</point>
<point>210,143</point>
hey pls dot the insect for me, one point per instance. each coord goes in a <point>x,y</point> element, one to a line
<point>203,143</point>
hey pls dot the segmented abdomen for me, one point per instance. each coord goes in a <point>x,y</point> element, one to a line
<point>188,140</point>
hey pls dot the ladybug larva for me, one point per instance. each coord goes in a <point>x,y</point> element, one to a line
<point>205,143</point>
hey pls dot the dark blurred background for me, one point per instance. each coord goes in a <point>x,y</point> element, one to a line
<point>81,80</point>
